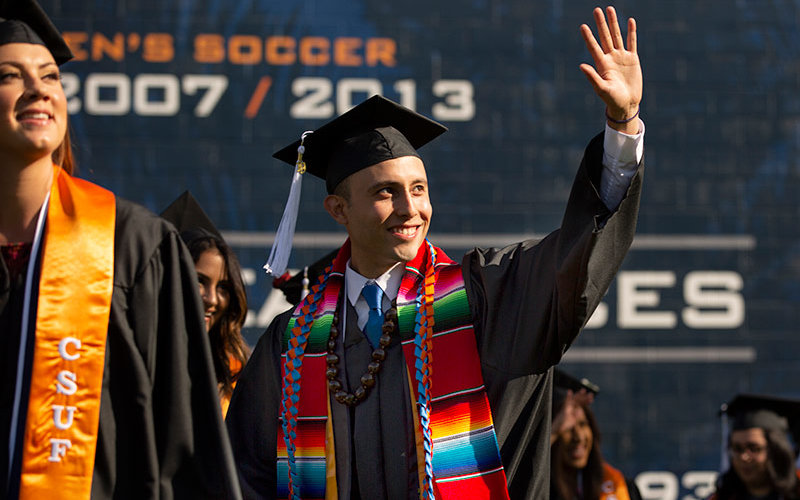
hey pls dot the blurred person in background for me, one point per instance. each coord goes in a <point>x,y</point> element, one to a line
<point>577,468</point>
<point>760,456</point>
<point>222,290</point>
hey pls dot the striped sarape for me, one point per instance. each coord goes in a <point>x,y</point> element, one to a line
<point>466,457</point>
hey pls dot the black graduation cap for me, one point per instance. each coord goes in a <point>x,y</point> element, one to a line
<point>564,382</point>
<point>746,411</point>
<point>292,285</point>
<point>188,217</point>
<point>374,131</point>
<point>24,21</point>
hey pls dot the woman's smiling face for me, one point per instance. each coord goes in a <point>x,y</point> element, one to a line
<point>33,107</point>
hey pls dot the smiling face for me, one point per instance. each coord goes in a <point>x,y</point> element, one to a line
<point>215,289</point>
<point>386,210</point>
<point>749,456</point>
<point>576,442</point>
<point>33,107</point>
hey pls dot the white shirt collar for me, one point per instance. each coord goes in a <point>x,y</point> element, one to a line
<point>388,281</point>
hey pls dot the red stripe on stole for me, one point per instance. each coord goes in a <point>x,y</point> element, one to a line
<point>312,383</point>
<point>450,351</point>
<point>310,440</point>
<point>491,486</point>
<point>458,351</point>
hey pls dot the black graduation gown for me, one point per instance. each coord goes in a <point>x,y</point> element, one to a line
<point>528,303</point>
<point>161,433</point>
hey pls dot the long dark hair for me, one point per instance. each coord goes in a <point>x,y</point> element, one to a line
<point>225,336</point>
<point>592,475</point>
<point>780,470</point>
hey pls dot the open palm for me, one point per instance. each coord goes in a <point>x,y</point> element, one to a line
<point>617,74</point>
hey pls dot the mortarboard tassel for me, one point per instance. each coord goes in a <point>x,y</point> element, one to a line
<point>282,246</point>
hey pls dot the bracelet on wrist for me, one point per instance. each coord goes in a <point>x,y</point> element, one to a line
<point>624,120</point>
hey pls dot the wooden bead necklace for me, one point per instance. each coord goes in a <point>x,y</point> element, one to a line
<point>378,355</point>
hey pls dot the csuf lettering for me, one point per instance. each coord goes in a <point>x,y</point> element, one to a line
<point>67,384</point>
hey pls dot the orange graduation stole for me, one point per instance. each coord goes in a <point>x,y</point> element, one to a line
<point>75,288</point>
<point>613,487</point>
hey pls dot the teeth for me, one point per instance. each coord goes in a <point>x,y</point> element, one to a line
<point>36,116</point>
<point>405,231</point>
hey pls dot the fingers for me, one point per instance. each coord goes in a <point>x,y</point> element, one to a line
<point>613,24</point>
<point>632,35</point>
<point>603,33</point>
<point>584,397</point>
<point>591,74</point>
<point>609,35</point>
<point>591,43</point>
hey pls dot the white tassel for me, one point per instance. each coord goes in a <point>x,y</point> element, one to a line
<point>282,246</point>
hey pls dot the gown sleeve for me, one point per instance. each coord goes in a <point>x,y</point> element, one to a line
<point>253,414</point>
<point>161,431</point>
<point>529,300</point>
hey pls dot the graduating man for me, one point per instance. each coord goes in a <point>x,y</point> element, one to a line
<point>404,374</point>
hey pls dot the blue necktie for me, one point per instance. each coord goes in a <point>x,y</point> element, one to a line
<point>374,297</point>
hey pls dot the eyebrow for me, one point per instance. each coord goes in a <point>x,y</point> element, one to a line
<point>19,64</point>
<point>382,184</point>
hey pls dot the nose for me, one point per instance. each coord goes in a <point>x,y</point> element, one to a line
<point>36,89</point>
<point>209,296</point>
<point>574,435</point>
<point>406,204</point>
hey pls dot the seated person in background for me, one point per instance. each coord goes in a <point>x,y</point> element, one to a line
<point>577,468</point>
<point>761,456</point>
<point>221,288</point>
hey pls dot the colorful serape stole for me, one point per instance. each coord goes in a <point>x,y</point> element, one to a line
<point>466,455</point>
<point>301,465</point>
<point>461,455</point>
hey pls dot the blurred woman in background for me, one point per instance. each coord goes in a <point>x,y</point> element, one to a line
<point>221,288</point>
<point>577,468</point>
<point>761,456</point>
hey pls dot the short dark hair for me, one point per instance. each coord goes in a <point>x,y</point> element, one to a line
<point>343,189</point>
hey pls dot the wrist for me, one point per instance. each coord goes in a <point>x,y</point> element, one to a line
<point>624,121</point>
<point>622,116</point>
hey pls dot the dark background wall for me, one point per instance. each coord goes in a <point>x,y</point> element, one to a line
<point>175,95</point>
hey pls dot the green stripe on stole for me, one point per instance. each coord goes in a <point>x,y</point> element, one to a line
<point>317,337</point>
<point>451,312</point>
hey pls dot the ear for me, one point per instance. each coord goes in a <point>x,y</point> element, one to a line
<point>335,205</point>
